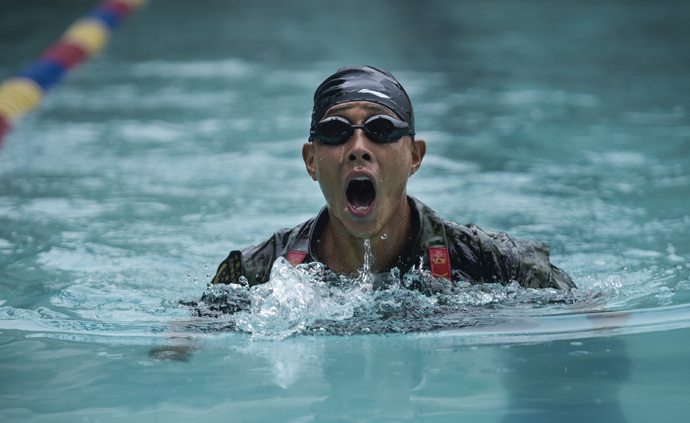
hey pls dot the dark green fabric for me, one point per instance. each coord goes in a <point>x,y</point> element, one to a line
<point>476,256</point>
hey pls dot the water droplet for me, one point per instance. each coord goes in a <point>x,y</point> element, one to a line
<point>384,236</point>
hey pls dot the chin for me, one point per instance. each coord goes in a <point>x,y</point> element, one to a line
<point>363,234</point>
<point>360,229</point>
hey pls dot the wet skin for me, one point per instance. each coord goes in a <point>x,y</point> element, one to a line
<point>386,221</point>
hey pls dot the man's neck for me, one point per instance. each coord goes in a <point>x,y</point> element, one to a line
<point>344,253</point>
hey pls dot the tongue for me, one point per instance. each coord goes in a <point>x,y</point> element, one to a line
<point>361,194</point>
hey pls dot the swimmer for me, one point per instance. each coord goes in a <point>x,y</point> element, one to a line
<point>362,151</point>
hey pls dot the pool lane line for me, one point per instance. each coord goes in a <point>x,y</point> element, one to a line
<point>22,92</point>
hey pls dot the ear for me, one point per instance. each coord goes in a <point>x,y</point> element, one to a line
<point>308,157</point>
<point>418,152</point>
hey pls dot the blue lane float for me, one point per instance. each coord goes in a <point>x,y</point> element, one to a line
<point>45,73</point>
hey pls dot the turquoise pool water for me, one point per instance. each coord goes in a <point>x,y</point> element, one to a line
<point>563,122</point>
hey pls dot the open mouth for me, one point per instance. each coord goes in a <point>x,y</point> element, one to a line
<point>360,195</point>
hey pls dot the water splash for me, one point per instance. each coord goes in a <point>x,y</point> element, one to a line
<point>310,299</point>
<point>291,301</point>
<point>365,275</point>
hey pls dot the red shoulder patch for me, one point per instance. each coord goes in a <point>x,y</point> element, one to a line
<point>295,258</point>
<point>440,262</point>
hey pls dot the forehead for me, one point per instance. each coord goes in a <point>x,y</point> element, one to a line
<point>354,107</point>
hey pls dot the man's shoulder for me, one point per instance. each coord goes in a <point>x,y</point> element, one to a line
<point>257,261</point>
<point>295,238</point>
<point>469,235</point>
<point>439,231</point>
<point>491,256</point>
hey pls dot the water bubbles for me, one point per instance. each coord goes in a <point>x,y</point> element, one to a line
<point>291,301</point>
<point>384,236</point>
<point>683,285</point>
<point>310,299</point>
<point>664,296</point>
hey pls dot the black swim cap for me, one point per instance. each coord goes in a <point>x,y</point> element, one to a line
<point>362,83</point>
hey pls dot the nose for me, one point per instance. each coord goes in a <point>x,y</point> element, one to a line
<point>359,150</point>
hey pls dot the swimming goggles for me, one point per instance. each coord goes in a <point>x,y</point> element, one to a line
<point>380,129</point>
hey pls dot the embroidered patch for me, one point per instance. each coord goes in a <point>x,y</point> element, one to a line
<point>440,262</point>
<point>295,258</point>
<point>230,270</point>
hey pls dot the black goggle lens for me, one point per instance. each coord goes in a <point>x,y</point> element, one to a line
<point>380,129</point>
<point>335,129</point>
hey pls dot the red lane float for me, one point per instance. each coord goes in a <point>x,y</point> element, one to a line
<point>64,54</point>
<point>4,126</point>
<point>85,37</point>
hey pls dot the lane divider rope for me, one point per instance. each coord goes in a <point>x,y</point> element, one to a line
<point>85,37</point>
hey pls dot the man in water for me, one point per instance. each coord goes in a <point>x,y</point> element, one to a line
<point>362,151</point>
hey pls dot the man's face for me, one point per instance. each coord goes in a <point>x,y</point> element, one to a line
<point>364,183</point>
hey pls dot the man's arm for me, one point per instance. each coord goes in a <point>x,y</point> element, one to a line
<point>527,262</point>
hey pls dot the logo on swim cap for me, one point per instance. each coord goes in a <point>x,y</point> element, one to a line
<point>376,93</point>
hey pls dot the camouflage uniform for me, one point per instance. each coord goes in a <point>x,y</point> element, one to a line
<point>475,255</point>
